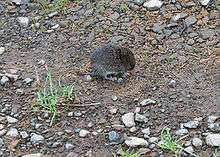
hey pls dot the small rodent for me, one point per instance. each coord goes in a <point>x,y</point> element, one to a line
<point>111,61</point>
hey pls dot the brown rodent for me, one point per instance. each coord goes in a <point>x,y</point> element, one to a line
<point>110,61</point>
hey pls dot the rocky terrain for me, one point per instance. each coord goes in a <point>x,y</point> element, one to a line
<point>175,84</point>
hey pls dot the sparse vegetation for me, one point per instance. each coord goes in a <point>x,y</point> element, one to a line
<point>128,153</point>
<point>169,143</point>
<point>123,8</point>
<point>51,95</point>
<point>216,153</point>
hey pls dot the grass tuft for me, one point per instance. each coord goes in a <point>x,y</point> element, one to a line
<point>48,98</point>
<point>169,143</point>
<point>128,153</point>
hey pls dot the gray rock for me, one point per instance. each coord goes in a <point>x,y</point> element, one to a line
<point>190,20</point>
<point>115,16</point>
<point>178,17</point>
<point>33,155</point>
<point>13,132</point>
<point>20,2</point>
<point>1,143</point>
<point>197,142</point>
<point>189,149</point>
<point>158,27</point>
<point>36,139</point>
<point>128,119</point>
<point>191,124</point>
<point>153,140</point>
<point>214,127</point>
<point>4,80</point>
<point>72,154</point>
<point>69,146</point>
<point>2,9</point>
<point>204,2</point>
<point>140,118</point>
<point>23,21</point>
<point>53,14</point>
<point>207,33</point>
<point>146,131</point>
<point>28,80</point>
<point>153,4</point>
<point>116,39</point>
<point>213,139</point>
<point>3,132</point>
<point>83,133</point>
<point>172,83</point>
<point>135,142</point>
<point>88,78</point>
<point>24,134</point>
<point>114,98</point>
<point>11,119</point>
<point>181,132</point>
<point>113,136</point>
<point>139,2</point>
<point>2,50</point>
<point>147,102</point>
<point>212,119</point>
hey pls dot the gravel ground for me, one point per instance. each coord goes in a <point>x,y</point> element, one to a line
<point>175,84</point>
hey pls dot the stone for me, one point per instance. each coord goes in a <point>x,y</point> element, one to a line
<point>83,133</point>
<point>20,2</point>
<point>190,20</point>
<point>128,119</point>
<point>178,17</point>
<point>191,124</point>
<point>33,155</point>
<point>115,16</point>
<point>139,2</point>
<point>207,33</point>
<point>24,134</point>
<point>88,78</point>
<point>28,80</point>
<point>196,142</point>
<point>72,154</point>
<point>204,2</point>
<point>189,149</point>
<point>113,110</point>
<point>172,83</point>
<point>11,119</point>
<point>153,4</point>
<point>158,27</point>
<point>13,132</point>
<point>113,136</point>
<point>4,80</point>
<point>2,9</point>
<point>23,21</point>
<point>2,50</point>
<point>147,102</point>
<point>140,118</point>
<point>212,119</point>
<point>181,132</point>
<point>69,146</point>
<point>213,140</point>
<point>214,127</point>
<point>146,131</point>
<point>135,142</point>
<point>53,14</point>
<point>114,98</point>
<point>1,143</point>
<point>153,140</point>
<point>36,139</point>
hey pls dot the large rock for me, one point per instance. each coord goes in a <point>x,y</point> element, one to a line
<point>153,4</point>
<point>135,142</point>
<point>20,2</point>
<point>213,139</point>
<point>204,2</point>
<point>23,21</point>
<point>128,119</point>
